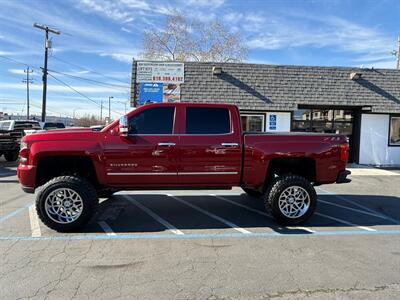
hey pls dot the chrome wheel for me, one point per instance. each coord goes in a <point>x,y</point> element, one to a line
<point>294,202</point>
<point>64,205</point>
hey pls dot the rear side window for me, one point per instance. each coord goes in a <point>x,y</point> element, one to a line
<point>203,120</point>
<point>157,120</point>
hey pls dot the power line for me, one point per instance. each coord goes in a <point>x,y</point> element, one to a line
<point>15,61</point>
<point>76,91</point>
<point>101,83</point>
<point>87,69</point>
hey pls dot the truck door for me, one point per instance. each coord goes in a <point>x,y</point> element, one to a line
<point>149,154</point>
<point>210,147</point>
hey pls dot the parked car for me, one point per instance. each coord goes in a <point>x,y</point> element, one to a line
<point>51,125</point>
<point>177,145</point>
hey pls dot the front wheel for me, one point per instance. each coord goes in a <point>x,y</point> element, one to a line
<point>291,198</point>
<point>66,203</point>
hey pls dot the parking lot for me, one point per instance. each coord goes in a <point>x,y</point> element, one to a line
<point>207,244</point>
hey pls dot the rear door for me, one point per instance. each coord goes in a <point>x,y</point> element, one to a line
<point>210,146</point>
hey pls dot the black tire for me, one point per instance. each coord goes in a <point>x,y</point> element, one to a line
<point>80,186</point>
<point>252,192</point>
<point>11,156</point>
<point>279,185</point>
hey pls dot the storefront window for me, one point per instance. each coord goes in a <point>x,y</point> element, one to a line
<point>394,134</point>
<point>253,123</point>
<point>302,120</point>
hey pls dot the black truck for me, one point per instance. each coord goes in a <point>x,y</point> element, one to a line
<point>9,144</point>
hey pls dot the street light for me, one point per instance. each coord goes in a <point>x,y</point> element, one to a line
<point>109,108</point>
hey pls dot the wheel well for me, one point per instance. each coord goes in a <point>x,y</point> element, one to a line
<point>301,166</point>
<point>50,167</point>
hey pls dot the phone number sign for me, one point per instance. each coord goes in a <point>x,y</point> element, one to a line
<point>165,72</point>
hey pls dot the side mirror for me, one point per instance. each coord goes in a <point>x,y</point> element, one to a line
<point>123,126</point>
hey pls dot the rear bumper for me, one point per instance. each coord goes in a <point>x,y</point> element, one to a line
<point>342,177</point>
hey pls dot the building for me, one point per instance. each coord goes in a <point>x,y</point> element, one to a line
<point>363,104</point>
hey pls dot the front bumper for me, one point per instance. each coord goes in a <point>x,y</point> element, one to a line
<point>27,176</point>
<point>342,177</point>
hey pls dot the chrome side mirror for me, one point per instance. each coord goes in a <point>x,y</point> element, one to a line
<point>123,126</point>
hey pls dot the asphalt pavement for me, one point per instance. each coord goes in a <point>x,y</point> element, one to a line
<point>207,245</point>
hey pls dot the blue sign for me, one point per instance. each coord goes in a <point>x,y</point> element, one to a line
<point>151,92</point>
<point>272,122</point>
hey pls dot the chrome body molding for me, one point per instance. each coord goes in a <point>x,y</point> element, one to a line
<point>171,174</point>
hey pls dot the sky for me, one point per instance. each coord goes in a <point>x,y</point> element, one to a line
<point>99,39</point>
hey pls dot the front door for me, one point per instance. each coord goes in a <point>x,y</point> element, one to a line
<point>149,155</point>
<point>210,147</point>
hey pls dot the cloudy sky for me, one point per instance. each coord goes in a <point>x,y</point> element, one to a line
<point>99,38</point>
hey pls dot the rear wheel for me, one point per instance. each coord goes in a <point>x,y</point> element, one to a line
<point>291,198</point>
<point>66,203</point>
<point>11,156</point>
<point>252,192</point>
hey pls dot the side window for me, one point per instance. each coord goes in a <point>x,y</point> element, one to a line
<point>156,120</point>
<point>203,120</point>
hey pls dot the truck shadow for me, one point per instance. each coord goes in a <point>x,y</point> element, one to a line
<point>332,213</point>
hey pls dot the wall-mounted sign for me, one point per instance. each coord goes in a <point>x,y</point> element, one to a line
<point>165,72</point>
<point>272,122</point>
<point>151,92</point>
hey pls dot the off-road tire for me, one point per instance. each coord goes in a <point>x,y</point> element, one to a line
<point>252,192</point>
<point>78,184</point>
<point>11,156</point>
<point>274,190</point>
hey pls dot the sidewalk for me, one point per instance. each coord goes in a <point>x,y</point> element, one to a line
<point>365,170</point>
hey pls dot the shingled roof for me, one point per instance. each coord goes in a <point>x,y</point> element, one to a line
<point>283,88</point>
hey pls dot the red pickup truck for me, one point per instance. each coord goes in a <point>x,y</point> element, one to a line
<point>177,146</point>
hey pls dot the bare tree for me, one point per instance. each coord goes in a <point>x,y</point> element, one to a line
<point>87,121</point>
<point>184,40</point>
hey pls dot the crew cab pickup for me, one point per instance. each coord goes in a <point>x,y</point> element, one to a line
<point>177,146</point>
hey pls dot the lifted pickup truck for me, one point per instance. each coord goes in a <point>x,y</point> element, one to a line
<point>177,146</point>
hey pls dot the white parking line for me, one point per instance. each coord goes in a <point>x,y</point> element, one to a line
<point>258,211</point>
<point>152,214</point>
<point>345,222</point>
<point>107,229</point>
<point>34,220</point>
<point>368,212</point>
<point>222,220</point>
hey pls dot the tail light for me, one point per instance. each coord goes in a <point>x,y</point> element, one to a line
<point>344,152</point>
<point>24,153</point>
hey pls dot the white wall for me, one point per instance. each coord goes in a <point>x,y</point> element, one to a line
<point>374,149</point>
<point>282,121</point>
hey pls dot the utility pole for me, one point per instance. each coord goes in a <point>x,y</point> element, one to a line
<point>109,108</point>
<point>47,46</point>
<point>397,53</point>
<point>28,82</point>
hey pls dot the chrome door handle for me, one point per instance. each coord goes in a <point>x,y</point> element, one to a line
<point>229,144</point>
<point>166,144</point>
